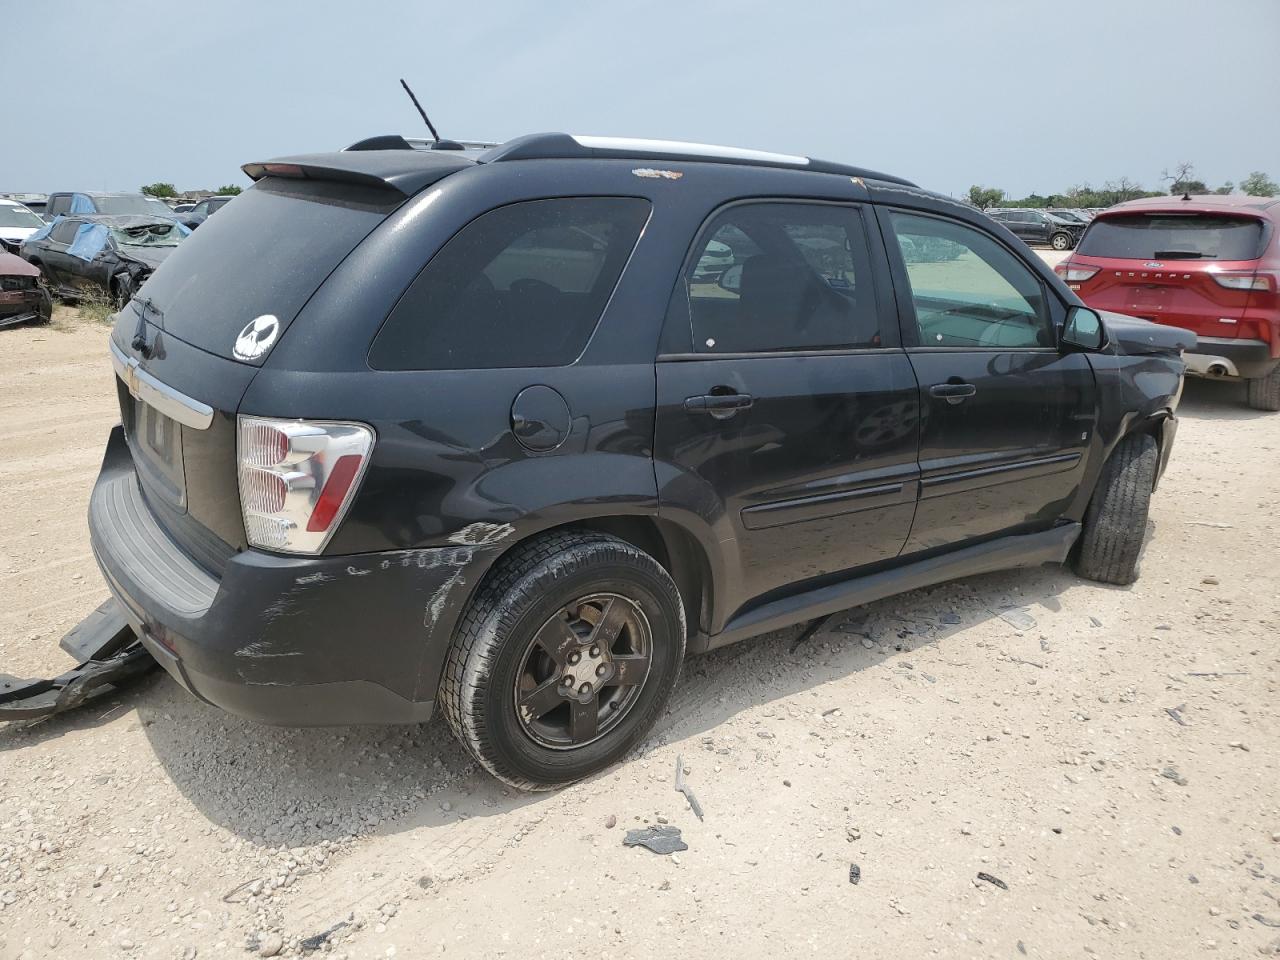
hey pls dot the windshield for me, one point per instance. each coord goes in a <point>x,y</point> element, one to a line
<point>150,235</point>
<point>1157,236</point>
<point>146,206</point>
<point>13,216</point>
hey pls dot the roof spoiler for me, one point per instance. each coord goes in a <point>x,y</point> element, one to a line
<point>380,168</point>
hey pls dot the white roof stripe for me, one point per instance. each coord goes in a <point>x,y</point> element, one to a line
<point>682,148</point>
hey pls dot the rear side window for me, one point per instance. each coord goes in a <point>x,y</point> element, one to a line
<point>65,231</point>
<point>520,286</point>
<point>1173,237</point>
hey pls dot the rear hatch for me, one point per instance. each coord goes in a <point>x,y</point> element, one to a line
<point>180,376</point>
<point>1190,269</point>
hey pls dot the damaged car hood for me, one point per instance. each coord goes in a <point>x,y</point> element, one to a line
<point>1133,337</point>
<point>150,257</point>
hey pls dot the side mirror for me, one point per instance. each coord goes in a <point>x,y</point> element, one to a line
<point>731,279</point>
<point>1084,329</point>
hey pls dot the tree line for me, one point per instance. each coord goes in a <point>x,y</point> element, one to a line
<point>163,190</point>
<point>1181,179</point>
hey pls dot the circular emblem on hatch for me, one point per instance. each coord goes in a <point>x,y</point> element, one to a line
<point>257,337</point>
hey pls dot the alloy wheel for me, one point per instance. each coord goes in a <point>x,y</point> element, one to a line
<point>583,670</point>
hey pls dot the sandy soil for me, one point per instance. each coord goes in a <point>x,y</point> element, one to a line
<point>1110,755</point>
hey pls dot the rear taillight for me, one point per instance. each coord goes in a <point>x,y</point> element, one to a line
<point>1074,273</point>
<point>1245,280</point>
<point>297,478</point>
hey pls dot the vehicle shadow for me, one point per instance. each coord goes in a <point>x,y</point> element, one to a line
<point>1217,400</point>
<point>285,786</point>
<point>277,786</point>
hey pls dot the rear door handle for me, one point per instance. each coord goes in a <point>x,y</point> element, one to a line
<point>719,405</point>
<point>953,392</point>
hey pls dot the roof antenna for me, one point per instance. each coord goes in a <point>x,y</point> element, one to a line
<point>427,120</point>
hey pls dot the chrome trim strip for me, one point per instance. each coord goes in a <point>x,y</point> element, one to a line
<point>160,396</point>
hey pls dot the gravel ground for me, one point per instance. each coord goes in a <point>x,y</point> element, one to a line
<point>1108,755</point>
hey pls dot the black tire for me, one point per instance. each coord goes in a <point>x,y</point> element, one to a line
<point>1061,241</point>
<point>533,588</point>
<point>1264,392</point>
<point>1115,524</point>
<point>121,293</point>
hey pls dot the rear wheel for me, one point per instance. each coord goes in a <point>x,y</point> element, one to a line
<point>1060,241</point>
<point>1115,524</point>
<point>564,659</point>
<point>1264,392</point>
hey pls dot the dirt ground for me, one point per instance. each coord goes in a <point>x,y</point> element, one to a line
<point>1108,755</point>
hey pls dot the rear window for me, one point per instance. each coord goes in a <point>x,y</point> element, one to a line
<point>267,253</point>
<point>145,206</point>
<point>1155,236</point>
<point>520,286</point>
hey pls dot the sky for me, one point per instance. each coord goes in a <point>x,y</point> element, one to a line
<point>1024,95</point>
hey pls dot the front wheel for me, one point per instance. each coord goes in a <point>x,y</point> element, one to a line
<point>1060,241</point>
<point>564,659</point>
<point>1264,392</point>
<point>1115,524</point>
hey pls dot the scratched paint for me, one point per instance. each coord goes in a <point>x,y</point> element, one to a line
<point>482,534</point>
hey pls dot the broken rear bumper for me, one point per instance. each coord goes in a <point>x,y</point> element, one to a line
<point>287,640</point>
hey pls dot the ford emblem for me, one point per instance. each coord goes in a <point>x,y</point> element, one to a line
<point>1153,264</point>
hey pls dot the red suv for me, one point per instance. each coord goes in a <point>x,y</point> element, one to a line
<point>1209,264</point>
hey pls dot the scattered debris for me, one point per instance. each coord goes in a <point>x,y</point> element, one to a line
<point>1095,621</point>
<point>1029,663</point>
<point>1238,745</point>
<point>682,787</point>
<point>313,943</point>
<point>831,712</point>
<point>1208,523</point>
<point>1022,948</point>
<point>1177,831</point>
<point>226,897</point>
<point>808,632</point>
<point>662,840</point>
<point>1266,921</point>
<point>1217,673</point>
<point>1176,714</point>
<point>996,881</point>
<point>1169,773</point>
<point>1210,581</point>
<point>855,873</point>
<point>1019,618</point>
<point>950,618</point>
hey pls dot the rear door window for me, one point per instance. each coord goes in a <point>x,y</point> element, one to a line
<point>65,231</point>
<point>780,276</point>
<point>1156,236</point>
<point>520,286</point>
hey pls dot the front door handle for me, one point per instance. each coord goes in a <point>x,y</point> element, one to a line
<point>953,393</point>
<point>722,406</point>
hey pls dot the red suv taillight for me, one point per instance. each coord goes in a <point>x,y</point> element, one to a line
<point>1246,280</point>
<point>297,478</point>
<point>1074,273</point>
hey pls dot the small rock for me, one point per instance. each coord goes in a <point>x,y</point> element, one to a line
<point>610,822</point>
<point>270,944</point>
<point>868,643</point>
<point>1169,773</point>
<point>99,872</point>
<point>446,806</point>
<point>389,909</point>
<point>1210,581</point>
<point>786,783</point>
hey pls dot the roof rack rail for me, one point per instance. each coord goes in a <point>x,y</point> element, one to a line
<point>393,141</point>
<point>542,146</point>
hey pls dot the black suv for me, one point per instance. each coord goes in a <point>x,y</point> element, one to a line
<point>482,427</point>
<point>1036,226</point>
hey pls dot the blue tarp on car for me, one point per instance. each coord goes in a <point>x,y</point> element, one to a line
<point>89,241</point>
<point>81,204</point>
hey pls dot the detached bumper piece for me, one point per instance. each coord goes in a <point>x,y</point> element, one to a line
<point>109,656</point>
